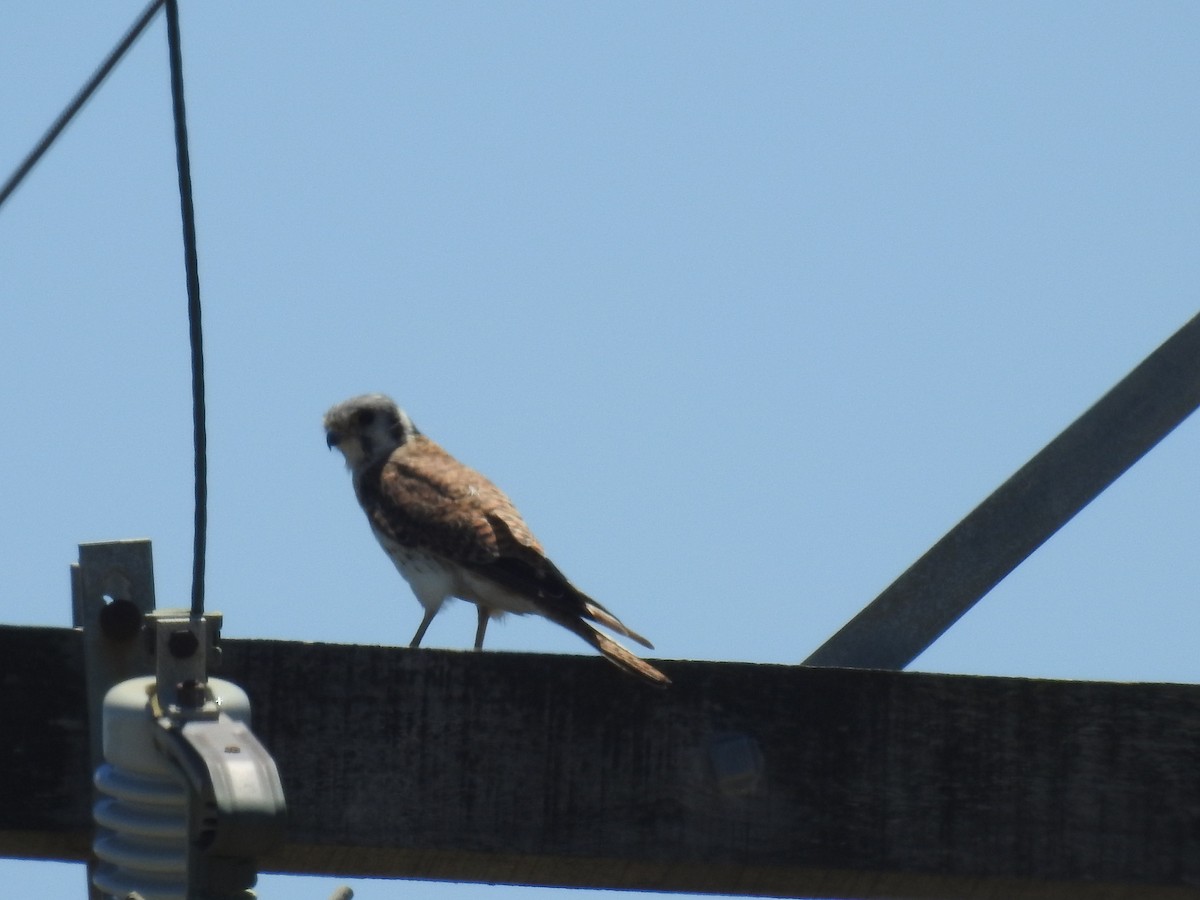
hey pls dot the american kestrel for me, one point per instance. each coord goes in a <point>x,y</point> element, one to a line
<point>452,533</point>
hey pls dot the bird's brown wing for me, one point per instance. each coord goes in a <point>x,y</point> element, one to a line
<point>523,568</point>
<point>423,497</point>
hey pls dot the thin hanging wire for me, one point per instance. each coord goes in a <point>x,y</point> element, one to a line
<point>189,245</point>
<point>192,268</point>
<point>79,100</point>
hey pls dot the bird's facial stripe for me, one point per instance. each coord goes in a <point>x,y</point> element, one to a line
<point>367,428</point>
<point>351,448</point>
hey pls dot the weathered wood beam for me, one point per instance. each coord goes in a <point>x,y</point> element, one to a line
<point>750,779</point>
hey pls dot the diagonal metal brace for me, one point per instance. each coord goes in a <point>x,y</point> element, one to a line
<point>997,536</point>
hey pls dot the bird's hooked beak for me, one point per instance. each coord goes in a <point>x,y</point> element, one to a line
<point>332,439</point>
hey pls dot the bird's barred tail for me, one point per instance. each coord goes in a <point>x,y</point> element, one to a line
<point>626,660</point>
<point>614,652</point>
<point>598,613</point>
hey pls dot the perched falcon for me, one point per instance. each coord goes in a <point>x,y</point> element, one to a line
<point>452,533</point>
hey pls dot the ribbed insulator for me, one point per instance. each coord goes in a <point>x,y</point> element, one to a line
<point>141,816</point>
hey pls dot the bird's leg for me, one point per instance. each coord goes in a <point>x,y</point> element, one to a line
<point>484,614</point>
<point>416,641</point>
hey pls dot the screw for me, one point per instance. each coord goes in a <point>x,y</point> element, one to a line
<point>120,620</point>
<point>190,693</point>
<point>183,644</point>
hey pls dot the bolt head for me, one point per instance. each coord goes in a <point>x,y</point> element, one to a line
<point>183,644</point>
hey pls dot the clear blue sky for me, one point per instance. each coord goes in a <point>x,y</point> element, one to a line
<point>745,304</point>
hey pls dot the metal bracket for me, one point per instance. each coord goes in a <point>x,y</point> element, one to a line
<point>236,810</point>
<point>112,590</point>
<point>236,806</point>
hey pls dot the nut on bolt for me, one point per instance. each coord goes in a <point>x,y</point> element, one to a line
<point>183,644</point>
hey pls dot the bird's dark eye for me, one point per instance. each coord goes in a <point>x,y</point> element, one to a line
<point>364,417</point>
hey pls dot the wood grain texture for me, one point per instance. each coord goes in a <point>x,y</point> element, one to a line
<point>740,778</point>
<point>45,782</point>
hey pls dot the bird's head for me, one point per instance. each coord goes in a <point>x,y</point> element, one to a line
<point>367,429</point>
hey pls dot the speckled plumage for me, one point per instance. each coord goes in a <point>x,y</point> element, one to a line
<point>452,533</point>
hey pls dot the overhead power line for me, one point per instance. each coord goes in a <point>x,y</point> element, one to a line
<point>81,98</point>
<point>192,267</point>
<point>191,264</point>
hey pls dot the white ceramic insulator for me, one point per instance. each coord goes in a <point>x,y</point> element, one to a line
<point>141,816</point>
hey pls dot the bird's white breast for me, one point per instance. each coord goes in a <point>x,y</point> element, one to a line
<point>429,577</point>
<point>434,580</point>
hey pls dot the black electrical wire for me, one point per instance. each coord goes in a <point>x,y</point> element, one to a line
<point>191,264</point>
<point>79,100</point>
<point>192,267</point>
